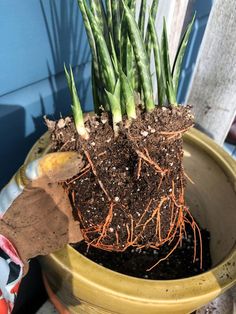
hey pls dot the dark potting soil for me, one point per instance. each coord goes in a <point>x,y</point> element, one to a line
<point>135,262</point>
<point>130,194</point>
<point>131,191</point>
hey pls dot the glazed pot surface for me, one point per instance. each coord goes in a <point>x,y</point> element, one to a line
<point>86,287</point>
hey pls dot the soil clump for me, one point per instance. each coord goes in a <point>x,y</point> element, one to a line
<point>131,191</point>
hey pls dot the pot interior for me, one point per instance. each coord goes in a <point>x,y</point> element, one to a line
<point>212,200</point>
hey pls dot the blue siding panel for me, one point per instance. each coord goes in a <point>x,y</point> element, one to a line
<point>185,82</point>
<point>195,41</point>
<point>202,9</point>
<point>21,115</point>
<point>234,154</point>
<point>230,148</point>
<point>37,37</point>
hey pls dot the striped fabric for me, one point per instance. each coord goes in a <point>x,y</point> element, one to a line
<point>11,271</point>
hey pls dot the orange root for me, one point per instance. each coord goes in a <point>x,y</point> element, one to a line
<point>151,216</point>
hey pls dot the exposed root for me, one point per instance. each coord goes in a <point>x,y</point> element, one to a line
<point>82,173</point>
<point>151,162</point>
<point>95,173</point>
<point>174,132</point>
<point>188,177</point>
<point>139,168</point>
<point>135,228</point>
<point>144,213</point>
<point>164,258</point>
<point>106,224</point>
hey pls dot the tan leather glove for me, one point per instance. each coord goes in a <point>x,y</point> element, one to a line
<point>35,211</point>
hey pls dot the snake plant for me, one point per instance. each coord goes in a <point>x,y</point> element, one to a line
<point>121,49</point>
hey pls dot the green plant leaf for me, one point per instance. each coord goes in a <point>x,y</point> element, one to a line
<point>180,55</point>
<point>116,20</point>
<point>88,29</point>
<point>105,63</point>
<point>141,58</point>
<point>132,5</point>
<point>98,96</point>
<point>171,95</point>
<point>153,13</point>
<point>114,57</point>
<point>115,104</point>
<point>76,106</point>
<point>127,94</point>
<point>142,16</point>
<point>98,11</point>
<point>109,17</point>
<point>158,62</point>
<point>170,90</point>
<point>95,65</point>
<point>165,53</point>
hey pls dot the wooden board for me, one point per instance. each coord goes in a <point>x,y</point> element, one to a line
<point>213,92</point>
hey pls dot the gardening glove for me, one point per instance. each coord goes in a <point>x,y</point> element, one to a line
<point>35,218</point>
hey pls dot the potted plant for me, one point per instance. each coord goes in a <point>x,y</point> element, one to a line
<point>131,193</point>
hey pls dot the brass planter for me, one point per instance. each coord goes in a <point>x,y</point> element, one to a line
<point>86,287</point>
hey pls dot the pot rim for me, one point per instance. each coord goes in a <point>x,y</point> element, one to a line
<point>92,274</point>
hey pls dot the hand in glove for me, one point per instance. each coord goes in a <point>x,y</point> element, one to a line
<point>35,211</point>
<point>36,215</point>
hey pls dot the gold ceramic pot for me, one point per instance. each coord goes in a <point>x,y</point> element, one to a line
<point>88,288</point>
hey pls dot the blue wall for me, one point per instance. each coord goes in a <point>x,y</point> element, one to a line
<point>202,9</point>
<point>37,37</point>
